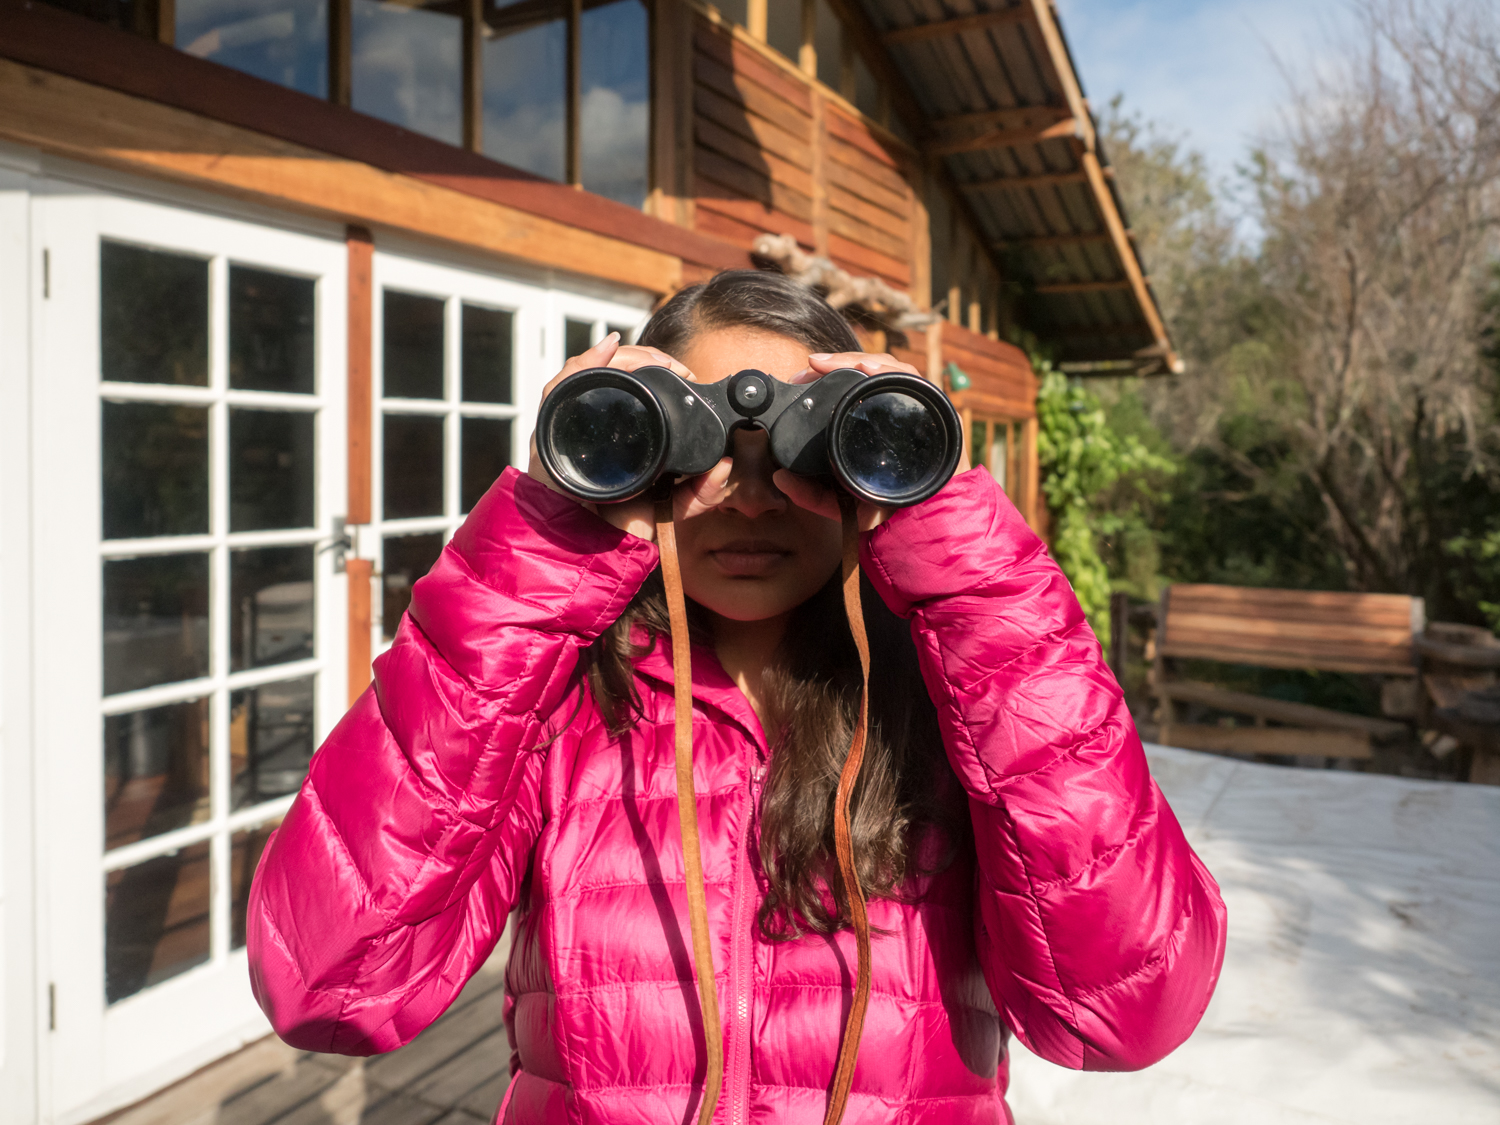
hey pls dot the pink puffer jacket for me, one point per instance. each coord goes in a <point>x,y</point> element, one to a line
<point>476,777</point>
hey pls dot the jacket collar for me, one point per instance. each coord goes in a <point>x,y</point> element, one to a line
<point>711,684</point>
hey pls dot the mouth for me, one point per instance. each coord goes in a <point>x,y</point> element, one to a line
<point>749,558</point>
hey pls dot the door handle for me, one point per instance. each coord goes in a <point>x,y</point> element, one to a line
<point>341,542</point>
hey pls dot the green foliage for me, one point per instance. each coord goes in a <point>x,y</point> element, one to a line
<point>1483,553</point>
<point>1095,480</point>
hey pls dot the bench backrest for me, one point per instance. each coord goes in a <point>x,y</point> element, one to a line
<point>1331,632</point>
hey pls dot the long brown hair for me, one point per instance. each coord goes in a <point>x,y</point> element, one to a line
<point>906,785</point>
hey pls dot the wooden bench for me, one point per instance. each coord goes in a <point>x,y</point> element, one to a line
<point>1323,631</point>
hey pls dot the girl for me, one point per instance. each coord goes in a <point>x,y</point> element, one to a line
<point>515,754</point>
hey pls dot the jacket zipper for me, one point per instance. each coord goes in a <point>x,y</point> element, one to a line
<point>740,964</point>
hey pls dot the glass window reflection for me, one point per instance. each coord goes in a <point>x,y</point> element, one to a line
<point>413,461</point>
<point>525,89</point>
<point>578,336</point>
<point>270,469</point>
<point>155,920</point>
<point>407,65</point>
<point>485,452</point>
<point>487,356</point>
<point>155,621</point>
<point>412,345</point>
<point>828,42</point>
<point>407,558</point>
<point>614,114</point>
<point>270,740</point>
<point>271,618</point>
<point>155,771</point>
<point>153,316</point>
<point>270,331</point>
<point>245,849</point>
<point>784,26</point>
<point>155,469</point>
<point>282,41</point>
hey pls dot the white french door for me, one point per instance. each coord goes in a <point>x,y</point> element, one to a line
<point>460,359</point>
<point>189,387</point>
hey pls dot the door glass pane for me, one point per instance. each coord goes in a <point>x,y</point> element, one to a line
<point>270,740</point>
<point>270,331</point>
<point>525,90</point>
<point>408,65</point>
<point>270,469</point>
<point>578,336</point>
<point>413,470</point>
<point>413,346</point>
<point>282,41</point>
<point>487,354</point>
<point>155,771</point>
<point>978,444</point>
<point>270,606</point>
<point>485,449</point>
<point>614,116</point>
<point>155,469</point>
<point>999,460</point>
<point>784,26</point>
<point>155,920</point>
<point>407,558</point>
<point>245,849</point>
<point>155,621</point>
<point>153,316</point>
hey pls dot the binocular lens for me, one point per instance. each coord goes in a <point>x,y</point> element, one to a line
<point>892,445</point>
<point>605,440</point>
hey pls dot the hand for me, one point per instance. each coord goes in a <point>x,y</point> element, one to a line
<point>636,515</point>
<point>814,495</point>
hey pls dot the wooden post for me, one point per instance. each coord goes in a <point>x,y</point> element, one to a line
<point>166,22</point>
<point>473,88</point>
<point>755,19</point>
<point>573,156</point>
<point>361,407</point>
<point>807,53</point>
<point>340,51</point>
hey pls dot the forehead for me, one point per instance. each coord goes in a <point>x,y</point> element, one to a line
<point>720,352</point>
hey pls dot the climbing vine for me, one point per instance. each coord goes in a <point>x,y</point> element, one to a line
<point>1082,459</point>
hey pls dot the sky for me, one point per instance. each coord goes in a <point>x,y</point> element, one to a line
<point>1202,70</point>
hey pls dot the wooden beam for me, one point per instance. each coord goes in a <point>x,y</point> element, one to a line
<point>1061,287</point>
<point>340,51</point>
<point>473,71</point>
<point>980,21</point>
<point>1277,710</point>
<point>1032,180</point>
<point>90,123</point>
<point>1062,66</point>
<point>1003,138</point>
<point>1013,117</point>
<point>1040,241</point>
<point>1268,740</point>
<point>1126,253</point>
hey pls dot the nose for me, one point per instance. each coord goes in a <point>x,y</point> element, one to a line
<point>751,492</point>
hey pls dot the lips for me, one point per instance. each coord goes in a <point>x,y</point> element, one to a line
<point>749,558</point>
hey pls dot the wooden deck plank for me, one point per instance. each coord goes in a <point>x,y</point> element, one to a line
<point>280,1095</point>
<point>437,1045</point>
<point>460,1076</point>
<point>484,1100</point>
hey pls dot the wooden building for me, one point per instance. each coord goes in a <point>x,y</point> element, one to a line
<point>280,283</point>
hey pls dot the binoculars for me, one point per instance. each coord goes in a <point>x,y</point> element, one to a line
<point>892,439</point>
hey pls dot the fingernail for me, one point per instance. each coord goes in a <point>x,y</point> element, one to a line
<point>612,336</point>
<point>821,355</point>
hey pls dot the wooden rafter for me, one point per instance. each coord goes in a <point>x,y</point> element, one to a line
<point>1039,241</point>
<point>1030,180</point>
<point>1003,138</point>
<point>1014,117</point>
<point>1021,13</point>
<point>1060,287</point>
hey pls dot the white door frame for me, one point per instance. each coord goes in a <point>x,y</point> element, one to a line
<point>99,1058</point>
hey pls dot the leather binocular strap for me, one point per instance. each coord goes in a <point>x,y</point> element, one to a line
<point>843,841</point>
<point>687,807</point>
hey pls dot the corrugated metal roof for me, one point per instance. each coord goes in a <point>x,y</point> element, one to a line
<point>1008,120</point>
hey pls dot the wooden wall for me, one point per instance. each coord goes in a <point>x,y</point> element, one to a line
<point>773,153</point>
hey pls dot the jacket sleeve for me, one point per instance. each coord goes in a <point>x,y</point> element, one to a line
<point>390,879</point>
<point>1100,932</point>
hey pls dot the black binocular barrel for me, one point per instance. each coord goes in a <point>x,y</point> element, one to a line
<point>607,435</point>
